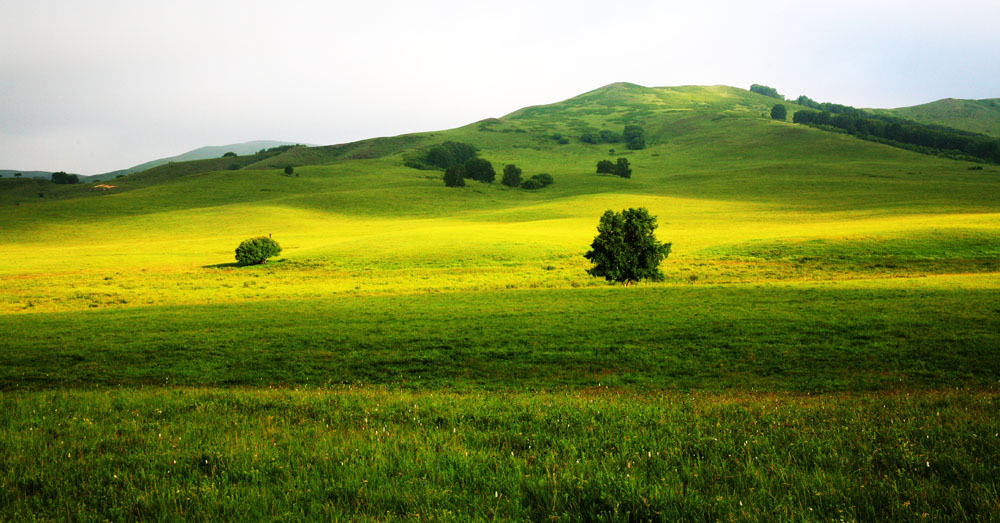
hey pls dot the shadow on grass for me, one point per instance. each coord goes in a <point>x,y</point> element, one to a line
<point>237,264</point>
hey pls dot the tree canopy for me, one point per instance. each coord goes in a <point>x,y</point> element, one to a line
<point>63,178</point>
<point>625,249</point>
<point>257,250</point>
<point>778,112</point>
<point>480,169</point>
<point>454,177</point>
<point>635,137</point>
<point>511,175</point>
<point>766,91</point>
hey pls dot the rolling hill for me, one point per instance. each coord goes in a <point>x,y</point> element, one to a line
<point>201,153</point>
<point>823,344</point>
<point>979,116</point>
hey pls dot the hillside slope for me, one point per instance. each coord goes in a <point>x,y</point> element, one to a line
<point>979,116</point>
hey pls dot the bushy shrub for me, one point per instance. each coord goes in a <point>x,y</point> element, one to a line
<point>511,175</point>
<point>537,181</point>
<point>229,154</point>
<point>257,250</point>
<point>289,169</point>
<point>454,177</point>
<point>635,137</point>
<point>590,138</point>
<point>778,112</point>
<point>447,154</point>
<point>234,167</point>
<point>563,141</point>
<point>610,137</point>
<point>605,167</point>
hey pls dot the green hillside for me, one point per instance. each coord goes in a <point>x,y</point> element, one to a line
<point>979,116</point>
<point>201,153</point>
<point>823,345</point>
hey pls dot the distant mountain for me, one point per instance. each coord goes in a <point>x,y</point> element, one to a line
<point>978,116</point>
<point>201,153</point>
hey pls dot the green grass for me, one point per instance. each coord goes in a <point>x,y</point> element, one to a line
<point>978,116</point>
<point>831,302</point>
<point>364,453</point>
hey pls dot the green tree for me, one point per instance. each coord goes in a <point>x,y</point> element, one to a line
<point>622,168</point>
<point>511,175</point>
<point>17,175</point>
<point>257,250</point>
<point>766,91</point>
<point>289,169</point>
<point>605,167</point>
<point>778,112</point>
<point>625,249</point>
<point>454,177</point>
<point>590,138</point>
<point>635,137</point>
<point>229,154</point>
<point>480,169</point>
<point>63,178</point>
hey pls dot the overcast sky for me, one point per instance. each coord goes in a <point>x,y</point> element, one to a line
<point>98,85</point>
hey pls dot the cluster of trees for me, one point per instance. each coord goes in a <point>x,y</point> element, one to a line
<point>633,136</point>
<point>477,169</point>
<point>603,136</point>
<point>626,249</point>
<point>904,133</point>
<point>63,178</point>
<point>766,91</point>
<point>618,168</point>
<point>537,181</point>
<point>449,154</point>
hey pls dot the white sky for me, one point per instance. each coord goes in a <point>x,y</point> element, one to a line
<point>97,85</point>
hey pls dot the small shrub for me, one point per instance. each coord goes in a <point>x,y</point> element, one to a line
<point>257,250</point>
<point>234,167</point>
<point>563,141</point>
<point>229,154</point>
<point>289,169</point>
<point>537,181</point>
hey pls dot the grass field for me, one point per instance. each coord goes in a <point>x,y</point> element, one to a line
<point>824,346</point>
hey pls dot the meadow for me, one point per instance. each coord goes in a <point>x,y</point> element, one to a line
<point>824,345</point>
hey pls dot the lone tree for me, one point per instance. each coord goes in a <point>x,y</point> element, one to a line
<point>511,175</point>
<point>229,154</point>
<point>778,112</point>
<point>454,177</point>
<point>289,169</point>
<point>257,250</point>
<point>625,249</point>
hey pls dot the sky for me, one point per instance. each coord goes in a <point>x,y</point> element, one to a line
<point>95,86</point>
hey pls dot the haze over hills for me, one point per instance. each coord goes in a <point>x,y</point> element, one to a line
<point>979,116</point>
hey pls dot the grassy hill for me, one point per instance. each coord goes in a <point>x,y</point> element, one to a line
<point>201,153</point>
<point>823,345</point>
<point>979,116</point>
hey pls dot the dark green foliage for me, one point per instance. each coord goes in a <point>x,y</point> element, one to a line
<point>120,176</point>
<point>930,139</point>
<point>766,91</point>
<point>635,137</point>
<point>622,168</point>
<point>234,167</point>
<point>257,250</point>
<point>610,137</point>
<point>563,141</point>
<point>230,154</point>
<point>448,154</point>
<point>626,249</point>
<point>61,177</point>
<point>590,138</point>
<point>778,112</point>
<point>537,181</point>
<point>511,175</point>
<point>805,101</point>
<point>17,175</point>
<point>480,170</point>
<point>605,167</point>
<point>289,169</point>
<point>454,176</point>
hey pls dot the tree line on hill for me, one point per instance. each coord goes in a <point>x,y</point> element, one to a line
<point>904,133</point>
<point>890,130</point>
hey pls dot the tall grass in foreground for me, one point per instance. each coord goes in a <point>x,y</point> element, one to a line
<point>594,455</point>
